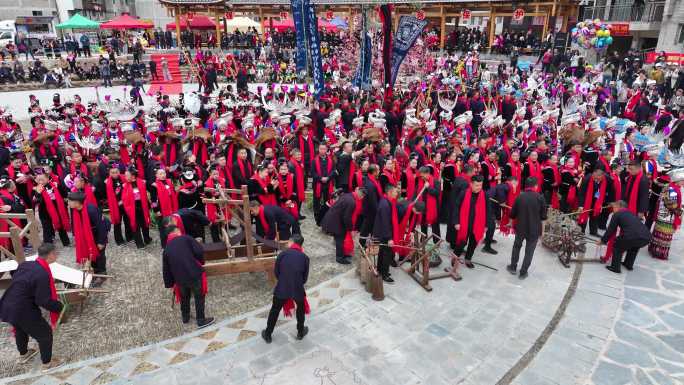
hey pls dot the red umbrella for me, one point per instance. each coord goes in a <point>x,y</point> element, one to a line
<point>125,21</point>
<point>197,22</point>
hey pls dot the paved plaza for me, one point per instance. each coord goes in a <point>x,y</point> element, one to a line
<point>582,325</point>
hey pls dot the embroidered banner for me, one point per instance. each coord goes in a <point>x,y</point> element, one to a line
<point>407,33</point>
<point>362,78</point>
<point>386,19</point>
<point>314,49</point>
<point>298,16</point>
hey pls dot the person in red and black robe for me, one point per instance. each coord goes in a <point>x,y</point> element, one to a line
<point>532,168</point>
<point>299,173</point>
<point>345,167</point>
<point>163,197</point>
<point>370,203</point>
<point>10,202</point>
<point>595,193</point>
<point>568,187</point>
<point>262,186</point>
<point>470,219</point>
<point>637,190</point>
<point>409,179</point>
<point>242,169</point>
<point>552,180</point>
<point>387,176</point>
<point>117,214</point>
<point>431,197</point>
<point>22,175</point>
<point>90,234</point>
<point>490,169</point>
<point>136,204</point>
<point>386,231</point>
<point>323,175</point>
<point>286,193</point>
<point>306,143</point>
<point>339,221</point>
<point>52,211</point>
<point>272,218</point>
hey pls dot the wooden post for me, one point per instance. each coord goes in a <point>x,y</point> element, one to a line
<point>442,37</point>
<point>217,20</point>
<point>492,26</point>
<point>351,20</point>
<point>33,234</point>
<point>249,240</point>
<point>546,26</point>
<point>16,244</point>
<point>178,29</point>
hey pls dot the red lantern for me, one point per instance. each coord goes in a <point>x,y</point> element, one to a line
<point>283,15</point>
<point>465,15</point>
<point>229,15</point>
<point>329,15</point>
<point>518,14</point>
<point>420,14</point>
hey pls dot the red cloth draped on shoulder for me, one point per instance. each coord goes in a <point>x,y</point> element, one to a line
<point>464,214</point>
<point>289,304</point>
<point>4,224</point>
<point>82,168</point>
<point>264,222</point>
<point>211,208</point>
<point>348,244</point>
<point>390,177</point>
<point>410,183</point>
<point>352,173</point>
<point>56,209</point>
<point>506,226</point>
<point>176,288</point>
<point>309,142</point>
<point>54,316</point>
<point>431,201</point>
<point>375,183</point>
<point>112,202</point>
<point>299,173</point>
<point>535,171</point>
<point>24,169</point>
<point>286,188</point>
<point>404,228</point>
<point>571,198</point>
<point>168,200</point>
<point>555,202</point>
<point>633,200</point>
<point>86,249</point>
<point>317,188</point>
<point>265,197</point>
<point>128,197</point>
<point>597,208</point>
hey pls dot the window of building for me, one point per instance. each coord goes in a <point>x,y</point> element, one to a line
<point>37,13</point>
<point>680,34</point>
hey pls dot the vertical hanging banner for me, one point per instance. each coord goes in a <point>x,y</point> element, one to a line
<point>314,48</point>
<point>407,33</point>
<point>299,18</point>
<point>362,78</point>
<point>386,19</point>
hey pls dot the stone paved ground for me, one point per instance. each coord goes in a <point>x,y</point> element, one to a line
<point>624,329</point>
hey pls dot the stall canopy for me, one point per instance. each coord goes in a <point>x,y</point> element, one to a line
<point>78,22</point>
<point>197,22</point>
<point>284,25</point>
<point>125,21</point>
<point>242,24</point>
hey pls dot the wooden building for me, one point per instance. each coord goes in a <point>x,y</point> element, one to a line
<point>491,16</point>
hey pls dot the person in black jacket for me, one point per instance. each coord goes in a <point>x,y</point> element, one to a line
<point>633,236</point>
<point>292,272</point>
<point>338,221</point>
<point>529,210</point>
<point>370,202</point>
<point>182,268</point>
<point>269,218</point>
<point>383,231</point>
<point>466,238</point>
<point>31,288</point>
<point>99,227</point>
<point>638,194</point>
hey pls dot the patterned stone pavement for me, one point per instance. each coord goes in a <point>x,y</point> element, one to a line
<point>617,329</point>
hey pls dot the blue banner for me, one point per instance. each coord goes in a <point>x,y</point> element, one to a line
<point>407,33</point>
<point>314,49</point>
<point>298,16</point>
<point>362,78</point>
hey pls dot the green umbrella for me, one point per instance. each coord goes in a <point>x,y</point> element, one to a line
<point>79,22</point>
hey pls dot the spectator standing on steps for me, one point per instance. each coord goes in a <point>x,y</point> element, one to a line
<point>85,45</point>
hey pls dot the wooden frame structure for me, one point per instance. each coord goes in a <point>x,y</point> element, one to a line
<point>554,12</point>
<point>419,258</point>
<point>244,252</point>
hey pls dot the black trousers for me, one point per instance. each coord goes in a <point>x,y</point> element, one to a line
<point>118,232</point>
<point>41,332</point>
<point>470,249</point>
<point>141,235</point>
<point>319,208</point>
<point>100,264</point>
<point>530,245</point>
<point>275,312</point>
<point>491,226</point>
<point>631,246</point>
<point>215,230</point>
<point>49,233</point>
<point>435,228</point>
<point>192,289</point>
<point>339,246</point>
<point>594,223</point>
<point>366,228</point>
<point>385,257</point>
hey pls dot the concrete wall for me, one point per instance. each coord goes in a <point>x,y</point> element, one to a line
<point>674,15</point>
<point>10,9</point>
<point>152,10</point>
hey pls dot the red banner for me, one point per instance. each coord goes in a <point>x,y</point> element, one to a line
<point>229,15</point>
<point>465,14</point>
<point>518,14</point>
<point>670,57</point>
<point>619,29</point>
<point>283,15</point>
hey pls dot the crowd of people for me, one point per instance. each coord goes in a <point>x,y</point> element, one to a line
<point>463,151</point>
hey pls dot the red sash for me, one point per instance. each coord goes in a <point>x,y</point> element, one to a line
<point>168,201</point>
<point>598,205</point>
<point>493,170</point>
<point>286,188</point>
<point>176,288</point>
<point>634,182</point>
<point>317,188</point>
<point>169,154</point>
<point>4,225</point>
<point>348,244</point>
<point>352,171</point>
<point>241,165</point>
<point>464,214</point>
<point>264,196</point>
<point>199,150</point>
<point>82,168</point>
<point>112,202</point>
<point>555,202</point>
<point>264,222</point>
<point>299,172</point>
<point>410,183</point>
<point>289,304</point>
<point>24,169</point>
<point>86,249</point>
<point>54,316</point>
<point>212,214</point>
<point>535,171</point>
<point>58,215</point>
<point>506,226</point>
<point>429,199</point>
<point>309,142</point>
<point>372,179</point>
<point>128,198</point>
<point>390,177</point>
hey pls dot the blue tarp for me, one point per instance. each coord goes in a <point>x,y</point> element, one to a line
<point>339,22</point>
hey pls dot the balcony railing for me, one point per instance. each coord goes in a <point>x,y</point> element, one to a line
<point>650,12</point>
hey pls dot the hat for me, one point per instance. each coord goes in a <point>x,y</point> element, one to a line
<point>188,173</point>
<point>430,126</point>
<point>284,120</point>
<point>537,121</point>
<point>612,122</point>
<point>424,114</point>
<point>446,115</point>
<point>329,122</point>
<point>570,119</point>
<point>358,121</point>
<point>464,118</point>
<point>304,120</point>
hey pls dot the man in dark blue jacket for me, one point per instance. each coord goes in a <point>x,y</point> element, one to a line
<point>292,272</point>
<point>32,287</point>
<point>182,263</point>
<point>383,232</point>
<point>270,218</point>
<point>634,235</point>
